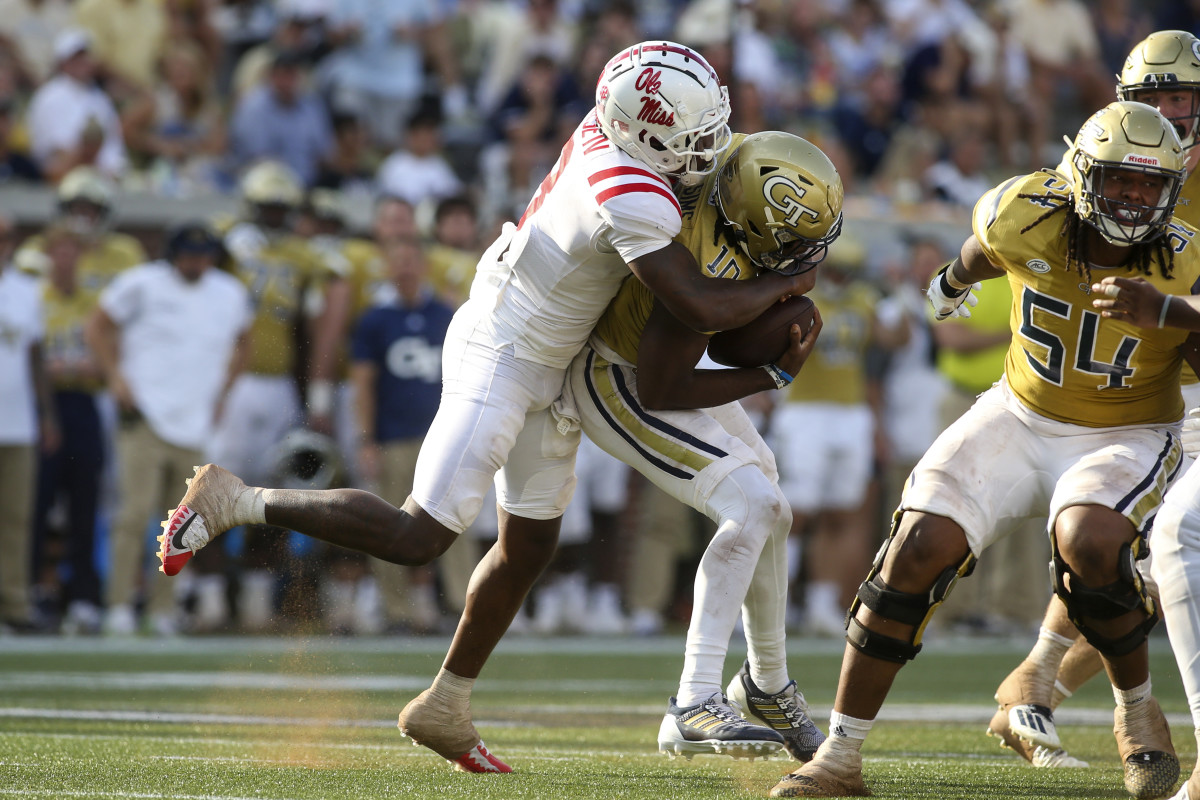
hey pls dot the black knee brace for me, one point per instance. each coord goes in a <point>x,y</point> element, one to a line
<point>1128,593</point>
<point>914,609</point>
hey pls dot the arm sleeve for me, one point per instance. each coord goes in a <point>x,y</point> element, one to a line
<point>121,298</point>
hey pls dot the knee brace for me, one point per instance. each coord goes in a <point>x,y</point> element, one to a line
<point>1128,593</point>
<point>915,609</point>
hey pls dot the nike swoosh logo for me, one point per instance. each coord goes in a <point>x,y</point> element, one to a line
<point>177,539</point>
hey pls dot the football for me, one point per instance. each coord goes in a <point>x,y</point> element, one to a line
<point>764,339</point>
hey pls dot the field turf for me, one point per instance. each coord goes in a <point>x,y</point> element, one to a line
<point>314,718</point>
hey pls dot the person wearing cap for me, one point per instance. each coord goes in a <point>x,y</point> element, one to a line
<point>72,121</point>
<point>151,319</point>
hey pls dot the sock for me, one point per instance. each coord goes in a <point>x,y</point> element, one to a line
<point>1131,697</point>
<point>1060,693</point>
<point>1044,659</point>
<point>852,729</point>
<point>770,681</point>
<point>452,688</point>
<point>250,506</point>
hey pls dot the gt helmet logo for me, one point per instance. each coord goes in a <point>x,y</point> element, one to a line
<point>784,195</point>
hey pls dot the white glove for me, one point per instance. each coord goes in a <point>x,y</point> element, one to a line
<point>1191,433</point>
<point>948,301</point>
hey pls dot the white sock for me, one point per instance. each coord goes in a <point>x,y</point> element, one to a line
<point>1131,697</point>
<point>452,688</point>
<point>843,726</point>
<point>250,506</point>
<point>1063,691</point>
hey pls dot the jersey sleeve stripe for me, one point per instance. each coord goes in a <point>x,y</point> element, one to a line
<point>630,188</point>
<point>615,172</point>
<point>999,195</point>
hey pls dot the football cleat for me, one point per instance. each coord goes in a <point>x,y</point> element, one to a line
<point>1147,754</point>
<point>449,733</point>
<point>824,777</point>
<point>713,727</point>
<point>785,712</point>
<point>1034,724</point>
<point>207,509</point>
<point>1037,755</point>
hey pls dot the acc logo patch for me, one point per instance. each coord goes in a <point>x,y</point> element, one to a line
<point>1038,266</point>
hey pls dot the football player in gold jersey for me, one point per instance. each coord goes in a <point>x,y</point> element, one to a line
<point>775,204</point>
<point>1163,71</point>
<point>85,207</point>
<point>1083,428</point>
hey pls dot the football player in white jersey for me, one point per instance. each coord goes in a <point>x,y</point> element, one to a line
<point>607,208</point>
<point>776,205</point>
<point>1082,429</point>
<point>1176,531</point>
<point>1163,70</point>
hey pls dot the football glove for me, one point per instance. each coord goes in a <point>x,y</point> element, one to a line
<point>1191,433</point>
<point>948,301</point>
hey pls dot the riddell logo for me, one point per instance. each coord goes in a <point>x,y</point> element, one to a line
<point>1133,158</point>
<point>650,81</point>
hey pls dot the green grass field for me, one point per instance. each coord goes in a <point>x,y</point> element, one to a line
<point>297,718</point>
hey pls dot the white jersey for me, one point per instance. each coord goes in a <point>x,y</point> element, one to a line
<point>543,284</point>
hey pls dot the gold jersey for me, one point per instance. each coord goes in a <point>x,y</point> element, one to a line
<point>278,270</point>
<point>101,261</point>
<point>1188,210</point>
<point>836,370</point>
<point>451,272</point>
<point>69,361</point>
<point>621,325</point>
<point>360,262</point>
<point>1066,362</point>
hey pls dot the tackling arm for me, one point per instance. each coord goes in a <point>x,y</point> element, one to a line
<point>667,357</point>
<point>704,304</point>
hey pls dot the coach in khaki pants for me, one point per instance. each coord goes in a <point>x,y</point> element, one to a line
<point>170,335</point>
<point>25,419</point>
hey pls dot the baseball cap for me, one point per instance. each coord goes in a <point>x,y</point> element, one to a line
<point>71,42</point>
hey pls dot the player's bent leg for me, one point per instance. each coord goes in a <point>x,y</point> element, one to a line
<point>217,500</point>
<point>915,569</point>
<point>1095,575</point>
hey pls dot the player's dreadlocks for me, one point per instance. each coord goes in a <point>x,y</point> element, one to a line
<point>1073,227</point>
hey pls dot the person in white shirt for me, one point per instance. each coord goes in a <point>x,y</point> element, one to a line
<point>152,320</point>
<point>27,421</point>
<point>71,120</point>
<point>608,209</point>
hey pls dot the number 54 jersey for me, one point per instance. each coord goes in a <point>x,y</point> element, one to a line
<point>1066,362</point>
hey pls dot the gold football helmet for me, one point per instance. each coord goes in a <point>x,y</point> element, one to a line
<point>272,183</point>
<point>1165,61</point>
<point>782,198</point>
<point>1126,137</point>
<point>85,199</point>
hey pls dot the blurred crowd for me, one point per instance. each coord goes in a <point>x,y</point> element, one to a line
<point>442,116</point>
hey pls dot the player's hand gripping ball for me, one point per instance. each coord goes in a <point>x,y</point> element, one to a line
<point>764,339</point>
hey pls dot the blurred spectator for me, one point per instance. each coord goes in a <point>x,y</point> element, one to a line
<point>808,87</point>
<point>127,36</point>
<point>280,120</point>
<point>191,22</point>
<point>14,166</point>
<point>28,420</point>
<point>70,477</point>
<point>419,171</point>
<point>377,68</point>
<point>541,30</point>
<point>151,319</point>
<point>1120,25</point>
<point>395,218</point>
<point>866,125</point>
<point>455,250</point>
<point>351,165</point>
<point>1064,56</point>
<point>298,30</point>
<point>959,176</point>
<point>29,29</point>
<point>1001,80</point>
<point>188,135</point>
<point>240,25</point>
<point>861,42</point>
<point>543,107</point>
<point>71,120</point>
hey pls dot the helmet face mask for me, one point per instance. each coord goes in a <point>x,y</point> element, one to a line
<point>782,199</point>
<point>1163,70</point>
<point>85,200</point>
<point>662,103</point>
